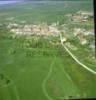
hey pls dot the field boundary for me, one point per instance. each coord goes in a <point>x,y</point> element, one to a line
<point>45,80</point>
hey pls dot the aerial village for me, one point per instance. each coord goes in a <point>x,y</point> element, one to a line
<point>30,29</point>
<point>43,29</point>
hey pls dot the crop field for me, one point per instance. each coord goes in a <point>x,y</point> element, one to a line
<point>38,67</point>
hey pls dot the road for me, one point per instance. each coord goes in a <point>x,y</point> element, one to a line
<point>73,56</point>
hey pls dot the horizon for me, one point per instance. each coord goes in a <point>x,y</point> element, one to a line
<point>8,2</point>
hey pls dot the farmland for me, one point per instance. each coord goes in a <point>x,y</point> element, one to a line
<point>38,67</point>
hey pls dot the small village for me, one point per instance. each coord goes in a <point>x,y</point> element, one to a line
<point>31,29</point>
<point>43,29</point>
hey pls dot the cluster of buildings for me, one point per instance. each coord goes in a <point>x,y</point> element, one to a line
<point>48,30</point>
<point>52,29</point>
<point>31,29</point>
<point>80,16</point>
<point>81,34</point>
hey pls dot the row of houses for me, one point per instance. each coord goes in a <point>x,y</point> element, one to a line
<point>49,30</point>
<point>29,29</point>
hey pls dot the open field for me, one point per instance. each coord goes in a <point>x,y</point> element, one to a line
<point>31,75</point>
<point>39,67</point>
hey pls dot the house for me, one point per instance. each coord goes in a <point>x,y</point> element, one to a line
<point>63,39</point>
<point>89,33</point>
<point>83,41</point>
<point>53,30</point>
<point>12,30</point>
<point>77,31</point>
<point>77,18</point>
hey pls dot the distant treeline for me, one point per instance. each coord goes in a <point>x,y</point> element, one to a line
<point>48,0</point>
<point>57,0</point>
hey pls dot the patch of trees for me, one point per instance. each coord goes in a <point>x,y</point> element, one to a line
<point>4,32</point>
<point>46,52</point>
<point>4,80</point>
<point>12,51</point>
<point>35,42</point>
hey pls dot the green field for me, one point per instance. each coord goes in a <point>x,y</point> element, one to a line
<point>36,74</point>
<point>31,68</point>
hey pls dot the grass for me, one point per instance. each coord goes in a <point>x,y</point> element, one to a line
<point>28,72</point>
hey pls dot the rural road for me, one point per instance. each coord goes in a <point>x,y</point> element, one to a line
<point>77,61</point>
